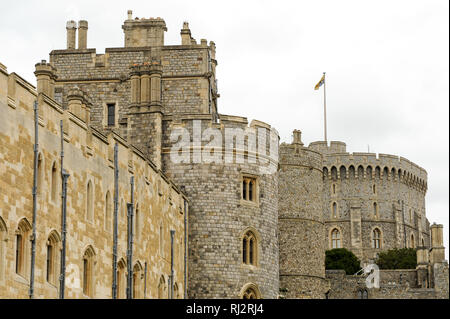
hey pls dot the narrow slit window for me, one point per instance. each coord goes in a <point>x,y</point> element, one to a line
<point>111,110</point>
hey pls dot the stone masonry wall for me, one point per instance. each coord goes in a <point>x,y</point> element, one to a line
<point>88,157</point>
<point>219,218</point>
<point>301,228</point>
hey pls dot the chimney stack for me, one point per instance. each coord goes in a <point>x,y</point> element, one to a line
<point>71,27</point>
<point>82,34</point>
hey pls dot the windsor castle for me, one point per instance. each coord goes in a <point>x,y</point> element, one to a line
<point>119,177</point>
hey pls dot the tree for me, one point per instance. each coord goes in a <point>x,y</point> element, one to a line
<point>341,258</point>
<point>404,258</point>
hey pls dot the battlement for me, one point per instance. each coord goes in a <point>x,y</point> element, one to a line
<point>17,96</point>
<point>144,32</point>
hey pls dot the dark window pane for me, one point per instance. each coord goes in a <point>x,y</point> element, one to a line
<point>111,114</point>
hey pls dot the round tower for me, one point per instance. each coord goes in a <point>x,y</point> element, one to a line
<point>227,171</point>
<point>372,202</point>
<point>300,222</point>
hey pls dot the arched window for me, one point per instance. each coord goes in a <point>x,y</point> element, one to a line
<point>54,189</point>
<point>375,210</point>
<point>108,212</point>
<point>3,233</point>
<point>176,293</point>
<point>250,291</point>
<point>89,202</point>
<point>162,288</point>
<point>342,172</point>
<point>249,248</point>
<point>351,172</point>
<point>137,222</point>
<point>376,238</point>
<point>249,188</point>
<point>22,247</point>
<point>360,172</point>
<point>378,172</point>
<point>369,172</point>
<point>121,279</point>
<point>335,238</point>
<point>161,241</point>
<point>325,173</point>
<point>362,294</point>
<point>88,272</point>
<point>334,210</point>
<point>52,257</point>
<point>333,173</point>
<point>334,188</point>
<point>413,242</point>
<point>374,189</point>
<point>137,278</point>
<point>40,174</point>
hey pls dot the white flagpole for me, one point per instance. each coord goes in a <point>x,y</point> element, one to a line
<point>325,106</point>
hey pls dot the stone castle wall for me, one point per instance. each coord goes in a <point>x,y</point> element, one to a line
<point>356,183</point>
<point>300,222</point>
<point>159,204</point>
<point>219,217</point>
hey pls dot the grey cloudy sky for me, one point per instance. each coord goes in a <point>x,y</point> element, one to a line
<point>386,62</point>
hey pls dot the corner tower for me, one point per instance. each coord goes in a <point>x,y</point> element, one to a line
<point>301,229</point>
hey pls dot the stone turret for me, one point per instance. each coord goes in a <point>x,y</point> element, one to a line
<point>185,34</point>
<point>144,32</point>
<point>301,229</point>
<point>437,253</point>
<point>45,77</point>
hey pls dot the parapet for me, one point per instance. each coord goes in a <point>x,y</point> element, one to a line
<point>335,147</point>
<point>144,32</point>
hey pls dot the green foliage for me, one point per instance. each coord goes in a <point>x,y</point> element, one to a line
<point>404,258</point>
<point>341,258</point>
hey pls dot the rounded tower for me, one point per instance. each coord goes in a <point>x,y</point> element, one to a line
<point>300,222</point>
<point>372,203</point>
<point>230,178</point>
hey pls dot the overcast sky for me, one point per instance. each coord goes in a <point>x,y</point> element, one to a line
<point>386,62</point>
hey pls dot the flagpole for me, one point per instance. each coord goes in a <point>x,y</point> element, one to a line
<point>325,106</point>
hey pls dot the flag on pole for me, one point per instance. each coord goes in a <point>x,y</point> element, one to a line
<point>321,82</point>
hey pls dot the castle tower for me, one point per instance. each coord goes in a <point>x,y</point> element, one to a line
<point>45,78</point>
<point>300,222</point>
<point>144,32</point>
<point>437,253</point>
<point>233,246</point>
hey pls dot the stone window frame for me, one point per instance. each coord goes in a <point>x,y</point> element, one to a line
<point>90,202</point>
<point>375,210</point>
<point>380,239</point>
<point>138,275</point>
<point>121,279</point>
<point>54,182</point>
<point>334,189</point>
<point>22,262</point>
<point>109,210</point>
<point>40,175</point>
<point>250,290</point>
<point>105,113</point>
<point>88,262</point>
<point>334,216</point>
<point>162,287</point>
<point>412,240</point>
<point>330,236</point>
<point>255,191</point>
<point>374,189</point>
<point>52,262</point>
<point>3,240</point>
<point>250,232</point>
